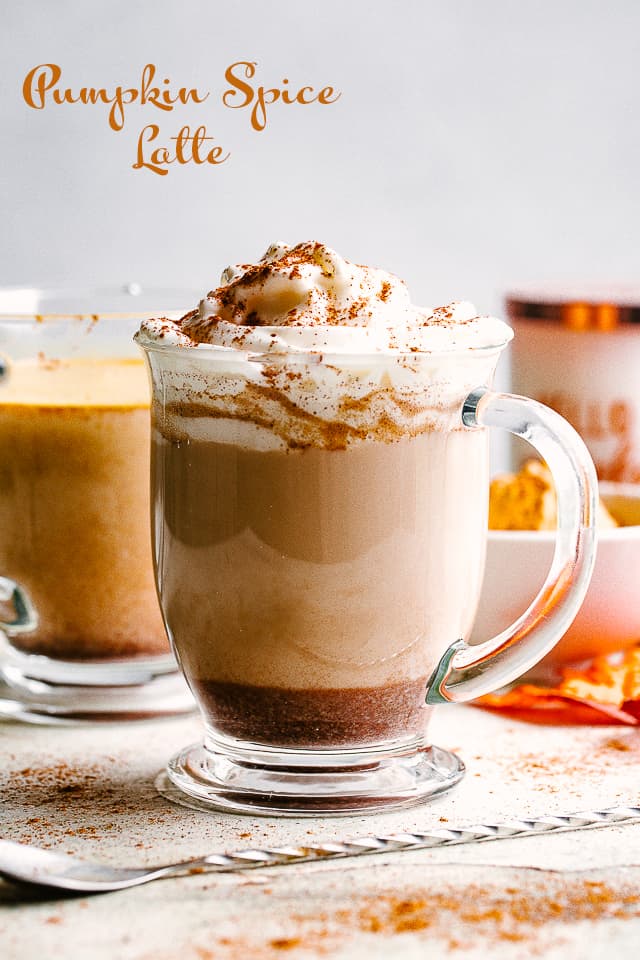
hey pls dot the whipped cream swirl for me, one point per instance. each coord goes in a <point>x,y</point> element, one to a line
<point>305,348</point>
<point>308,298</point>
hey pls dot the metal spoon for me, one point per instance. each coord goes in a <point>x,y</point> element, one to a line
<point>26,864</point>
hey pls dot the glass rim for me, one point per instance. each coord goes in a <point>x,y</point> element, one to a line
<point>20,303</point>
<point>326,357</point>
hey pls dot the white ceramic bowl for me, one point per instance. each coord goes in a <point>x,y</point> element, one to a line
<point>609,619</point>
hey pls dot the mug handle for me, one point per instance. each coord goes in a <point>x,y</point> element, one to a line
<point>26,617</point>
<point>469,671</point>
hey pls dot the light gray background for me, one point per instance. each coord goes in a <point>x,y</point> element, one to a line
<point>477,143</point>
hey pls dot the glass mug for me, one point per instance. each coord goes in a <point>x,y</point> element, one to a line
<point>319,582</point>
<point>82,636</point>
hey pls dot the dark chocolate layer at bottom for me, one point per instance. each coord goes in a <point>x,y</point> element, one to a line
<point>315,717</point>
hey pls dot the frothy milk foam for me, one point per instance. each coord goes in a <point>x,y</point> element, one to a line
<point>322,509</point>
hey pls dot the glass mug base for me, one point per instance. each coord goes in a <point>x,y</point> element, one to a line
<point>220,775</point>
<point>40,689</point>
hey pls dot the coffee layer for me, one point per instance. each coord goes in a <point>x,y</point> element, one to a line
<point>315,717</point>
<point>315,568</point>
<point>74,528</point>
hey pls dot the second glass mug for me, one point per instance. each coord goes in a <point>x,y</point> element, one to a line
<point>319,593</point>
<point>83,637</point>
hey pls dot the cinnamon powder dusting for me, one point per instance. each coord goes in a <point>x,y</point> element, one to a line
<point>461,918</point>
<point>385,290</point>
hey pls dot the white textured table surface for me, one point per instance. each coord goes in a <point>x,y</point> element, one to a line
<point>89,791</point>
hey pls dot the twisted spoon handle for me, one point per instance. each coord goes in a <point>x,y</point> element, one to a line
<point>362,846</point>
